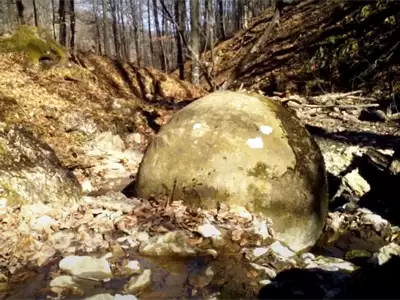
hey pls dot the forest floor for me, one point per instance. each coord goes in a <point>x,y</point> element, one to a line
<point>155,249</point>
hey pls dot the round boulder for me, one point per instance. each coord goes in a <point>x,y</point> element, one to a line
<point>243,149</point>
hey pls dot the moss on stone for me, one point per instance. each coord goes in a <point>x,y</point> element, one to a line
<point>12,196</point>
<point>35,43</point>
<point>261,171</point>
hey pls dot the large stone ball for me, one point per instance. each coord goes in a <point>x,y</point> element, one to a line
<point>242,149</point>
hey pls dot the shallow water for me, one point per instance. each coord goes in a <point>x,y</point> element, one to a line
<point>169,279</point>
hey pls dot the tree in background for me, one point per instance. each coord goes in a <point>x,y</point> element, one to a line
<point>159,33</point>
<point>195,40</point>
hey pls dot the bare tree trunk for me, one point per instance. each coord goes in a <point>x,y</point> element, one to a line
<point>178,20</point>
<point>142,33</point>
<point>159,37</point>
<point>187,46</point>
<point>53,8</point>
<point>195,40</point>
<point>210,34</point>
<point>125,48</point>
<point>150,34</point>
<point>135,31</point>
<point>11,14</point>
<point>115,29</point>
<point>167,45</point>
<point>63,23</point>
<point>72,23</point>
<point>105,29</point>
<point>20,11</point>
<point>221,24</point>
<point>241,67</point>
<point>35,16</point>
<point>96,20</point>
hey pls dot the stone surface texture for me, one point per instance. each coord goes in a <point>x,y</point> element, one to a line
<point>241,149</point>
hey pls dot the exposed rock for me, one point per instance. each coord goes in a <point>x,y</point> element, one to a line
<point>132,267</point>
<point>265,271</point>
<point>331,264</point>
<point>78,121</point>
<point>113,201</point>
<point>281,250</point>
<point>395,167</point>
<point>101,297</point>
<point>240,211</point>
<point>111,164</point>
<point>358,185</point>
<point>124,297</point>
<point>208,230</point>
<point>259,251</point>
<point>30,171</point>
<point>42,223</point>
<point>386,252</point>
<point>262,228</point>
<point>86,267</point>
<point>105,142</point>
<point>258,156</point>
<point>169,244</point>
<point>138,283</point>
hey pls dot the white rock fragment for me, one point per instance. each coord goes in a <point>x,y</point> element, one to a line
<point>3,206</point>
<point>42,223</point>
<point>86,267</point>
<point>143,237</point>
<point>265,282</point>
<point>138,283</point>
<point>268,272</point>
<point>212,252</point>
<point>281,250</point>
<point>86,186</point>
<point>386,252</point>
<point>356,183</point>
<point>260,228</point>
<point>208,230</point>
<point>29,211</point>
<point>333,264</point>
<point>125,297</point>
<point>240,211</point>
<point>259,251</point>
<point>133,267</point>
<point>266,129</point>
<point>64,281</point>
<point>255,143</point>
<point>307,258</point>
<point>171,243</point>
<point>376,221</point>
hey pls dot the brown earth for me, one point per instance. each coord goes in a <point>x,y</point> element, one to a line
<point>113,96</point>
<point>318,47</point>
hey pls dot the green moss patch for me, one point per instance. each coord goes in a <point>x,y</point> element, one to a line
<point>35,43</point>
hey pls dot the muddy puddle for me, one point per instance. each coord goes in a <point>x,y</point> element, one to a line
<point>200,277</point>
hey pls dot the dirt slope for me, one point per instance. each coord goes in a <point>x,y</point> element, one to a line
<point>319,47</point>
<point>66,104</point>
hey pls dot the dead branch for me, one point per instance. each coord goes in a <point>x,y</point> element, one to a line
<point>343,106</point>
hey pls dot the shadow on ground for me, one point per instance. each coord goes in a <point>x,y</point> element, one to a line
<point>368,282</point>
<point>361,138</point>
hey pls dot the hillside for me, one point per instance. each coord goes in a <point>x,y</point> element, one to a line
<point>67,104</point>
<point>318,47</point>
